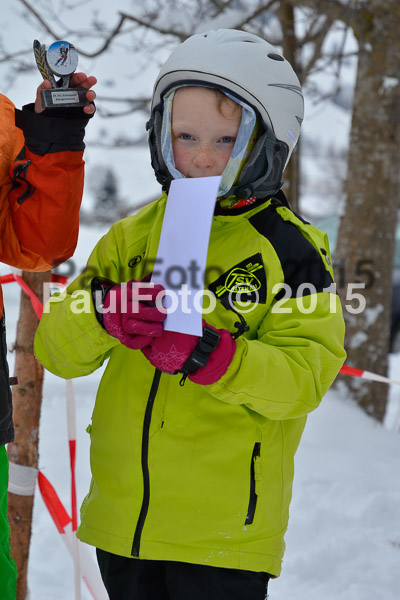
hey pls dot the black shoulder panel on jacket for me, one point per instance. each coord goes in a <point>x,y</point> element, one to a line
<point>301,262</point>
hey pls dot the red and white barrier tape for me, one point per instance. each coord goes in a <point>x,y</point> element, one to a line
<point>88,569</point>
<point>10,277</point>
<point>71,428</point>
<point>36,304</point>
<point>353,372</point>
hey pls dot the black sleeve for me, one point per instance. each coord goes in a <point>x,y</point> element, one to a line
<point>52,130</point>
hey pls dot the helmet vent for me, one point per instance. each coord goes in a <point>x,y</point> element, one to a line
<point>275,56</point>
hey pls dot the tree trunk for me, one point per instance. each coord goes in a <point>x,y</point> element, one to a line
<point>366,238</point>
<point>292,171</point>
<point>27,398</point>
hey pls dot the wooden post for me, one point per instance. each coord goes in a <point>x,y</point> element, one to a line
<point>27,399</point>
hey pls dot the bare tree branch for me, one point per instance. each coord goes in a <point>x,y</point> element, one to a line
<point>263,8</point>
<point>107,42</point>
<point>119,142</point>
<point>39,18</point>
<point>220,6</point>
<point>319,39</point>
<point>330,8</point>
<point>181,35</point>
<point>138,103</point>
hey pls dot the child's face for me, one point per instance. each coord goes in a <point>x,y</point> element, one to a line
<point>204,131</point>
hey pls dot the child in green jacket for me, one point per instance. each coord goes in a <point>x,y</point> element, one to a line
<point>193,439</point>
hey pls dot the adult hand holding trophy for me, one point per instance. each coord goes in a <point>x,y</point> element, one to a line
<point>72,89</point>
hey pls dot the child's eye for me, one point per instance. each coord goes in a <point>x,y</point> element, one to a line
<point>228,139</point>
<point>185,136</point>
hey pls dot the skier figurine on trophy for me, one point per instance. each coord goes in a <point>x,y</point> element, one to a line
<point>61,59</point>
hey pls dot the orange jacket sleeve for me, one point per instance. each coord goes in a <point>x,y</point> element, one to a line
<point>41,189</point>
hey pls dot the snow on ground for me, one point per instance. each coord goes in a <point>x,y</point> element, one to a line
<point>343,541</point>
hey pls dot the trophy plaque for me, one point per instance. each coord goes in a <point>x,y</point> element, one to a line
<point>61,60</point>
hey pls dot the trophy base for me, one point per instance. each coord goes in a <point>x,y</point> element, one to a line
<point>64,97</point>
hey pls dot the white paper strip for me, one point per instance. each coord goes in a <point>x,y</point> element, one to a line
<point>182,251</point>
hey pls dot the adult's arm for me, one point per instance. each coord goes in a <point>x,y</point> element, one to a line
<point>41,179</point>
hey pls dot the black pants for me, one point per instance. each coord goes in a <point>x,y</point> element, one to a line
<point>134,579</point>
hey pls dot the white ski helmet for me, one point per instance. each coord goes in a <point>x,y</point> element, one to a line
<point>255,72</point>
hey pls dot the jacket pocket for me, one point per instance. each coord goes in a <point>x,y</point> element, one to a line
<point>254,476</point>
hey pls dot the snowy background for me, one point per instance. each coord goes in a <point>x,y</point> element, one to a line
<point>343,541</point>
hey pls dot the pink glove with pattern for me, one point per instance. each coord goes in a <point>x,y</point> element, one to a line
<point>130,315</point>
<point>170,352</point>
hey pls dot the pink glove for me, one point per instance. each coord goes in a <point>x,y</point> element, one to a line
<point>170,352</point>
<point>218,362</point>
<point>135,322</point>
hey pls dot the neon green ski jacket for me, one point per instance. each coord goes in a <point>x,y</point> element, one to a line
<point>203,474</point>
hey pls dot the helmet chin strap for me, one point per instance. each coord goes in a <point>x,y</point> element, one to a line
<point>262,174</point>
<point>153,126</point>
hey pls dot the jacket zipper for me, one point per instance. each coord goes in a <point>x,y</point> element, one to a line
<point>145,464</point>
<point>253,496</point>
<point>19,175</point>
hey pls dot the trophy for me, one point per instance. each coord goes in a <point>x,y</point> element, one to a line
<point>61,59</point>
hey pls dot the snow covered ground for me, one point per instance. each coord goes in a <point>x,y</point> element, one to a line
<point>343,541</point>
